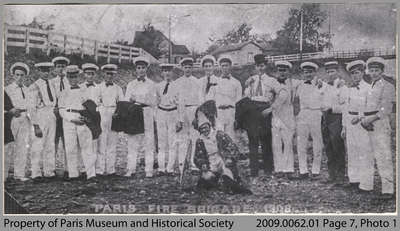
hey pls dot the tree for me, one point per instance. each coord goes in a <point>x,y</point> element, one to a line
<point>287,39</point>
<point>237,35</point>
<point>39,25</point>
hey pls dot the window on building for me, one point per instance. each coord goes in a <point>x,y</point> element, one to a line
<point>250,57</point>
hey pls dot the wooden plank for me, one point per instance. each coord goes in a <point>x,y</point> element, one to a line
<point>27,41</point>
<point>16,44</point>
<point>15,36</point>
<point>40,46</point>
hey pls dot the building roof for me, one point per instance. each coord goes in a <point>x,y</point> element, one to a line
<point>233,47</point>
<point>180,50</point>
<point>158,35</point>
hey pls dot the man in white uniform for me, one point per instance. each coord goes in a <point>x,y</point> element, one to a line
<point>142,91</point>
<point>44,122</point>
<point>60,84</point>
<point>309,119</point>
<point>92,92</point>
<point>227,93</point>
<point>353,100</point>
<point>166,116</point>
<point>209,82</point>
<point>110,94</point>
<point>20,125</point>
<point>78,138</point>
<point>379,103</point>
<point>283,121</point>
<point>188,100</point>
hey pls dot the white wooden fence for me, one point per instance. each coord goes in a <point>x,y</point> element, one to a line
<point>20,36</point>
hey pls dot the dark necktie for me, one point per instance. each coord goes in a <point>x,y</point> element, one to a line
<point>142,79</point>
<point>281,81</point>
<point>330,83</point>
<point>62,87</point>
<point>166,88</point>
<point>307,82</point>
<point>356,85</point>
<point>209,84</point>
<point>90,85</point>
<point>109,84</point>
<point>259,88</point>
<point>226,77</point>
<point>22,92</point>
<point>74,87</point>
<point>49,90</point>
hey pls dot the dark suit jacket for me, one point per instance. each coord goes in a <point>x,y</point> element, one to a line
<point>248,114</point>
<point>92,118</point>
<point>8,136</point>
<point>129,118</point>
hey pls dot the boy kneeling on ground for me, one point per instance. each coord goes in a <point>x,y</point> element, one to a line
<point>215,153</point>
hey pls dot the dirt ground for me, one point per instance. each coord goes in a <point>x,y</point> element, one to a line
<point>164,195</point>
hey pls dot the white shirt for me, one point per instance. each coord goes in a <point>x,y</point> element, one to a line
<point>310,96</point>
<point>110,95</point>
<point>331,95</point>
<point>282,107</point>
<point>169,99</point>
<point>144,92</point>
<point>91,92</point>
<point>189,93</point>
<point>380,97</point>
<point>42,97</point>
<point>266,94</point>
<point>19,100</point>
<point>210,95</point>
<point>56,82</point>
<point>72,99</point>
<point>228,91</point>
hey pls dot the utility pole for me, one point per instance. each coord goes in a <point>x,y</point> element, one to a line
<point>169,38</point>
<point>301,34</point>
<point>329,29</point>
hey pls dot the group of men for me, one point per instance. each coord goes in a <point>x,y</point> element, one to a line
<point>338,118</point>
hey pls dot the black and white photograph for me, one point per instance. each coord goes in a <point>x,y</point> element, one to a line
<point>200,108</point>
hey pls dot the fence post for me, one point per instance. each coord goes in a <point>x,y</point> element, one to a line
<point>82,45</point>
<point>130,54</point>
<point>65,43</point>
<point>48,44</point>
<point>5,39</point>
<point>119,54</point>
<point>108,52</point>
<point>95,51</point>
<point>27,41</point>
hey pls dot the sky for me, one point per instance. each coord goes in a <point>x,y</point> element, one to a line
<point>355,26</point>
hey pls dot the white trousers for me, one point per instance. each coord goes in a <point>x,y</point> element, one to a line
<point>108,139</point>
<point>136,142</point>
<point>186,138</point>
<point>380,144</point>
<point>43,149</point>
<point>309,123</point>
<point>282,146</point>
<point>21,129</point>
<point>167,144</point>
<point>357,150</point>
<point>225,122</point>
<point>8,153</point>
<point>78,140</point>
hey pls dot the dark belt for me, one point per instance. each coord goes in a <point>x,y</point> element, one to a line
<point>190,105</point>
<point>167,109</point>
<point>73,110</point>
<point>365,113</point>
<point>223,107</point>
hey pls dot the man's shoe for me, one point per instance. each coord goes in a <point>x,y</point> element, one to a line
<point>37,179</point>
